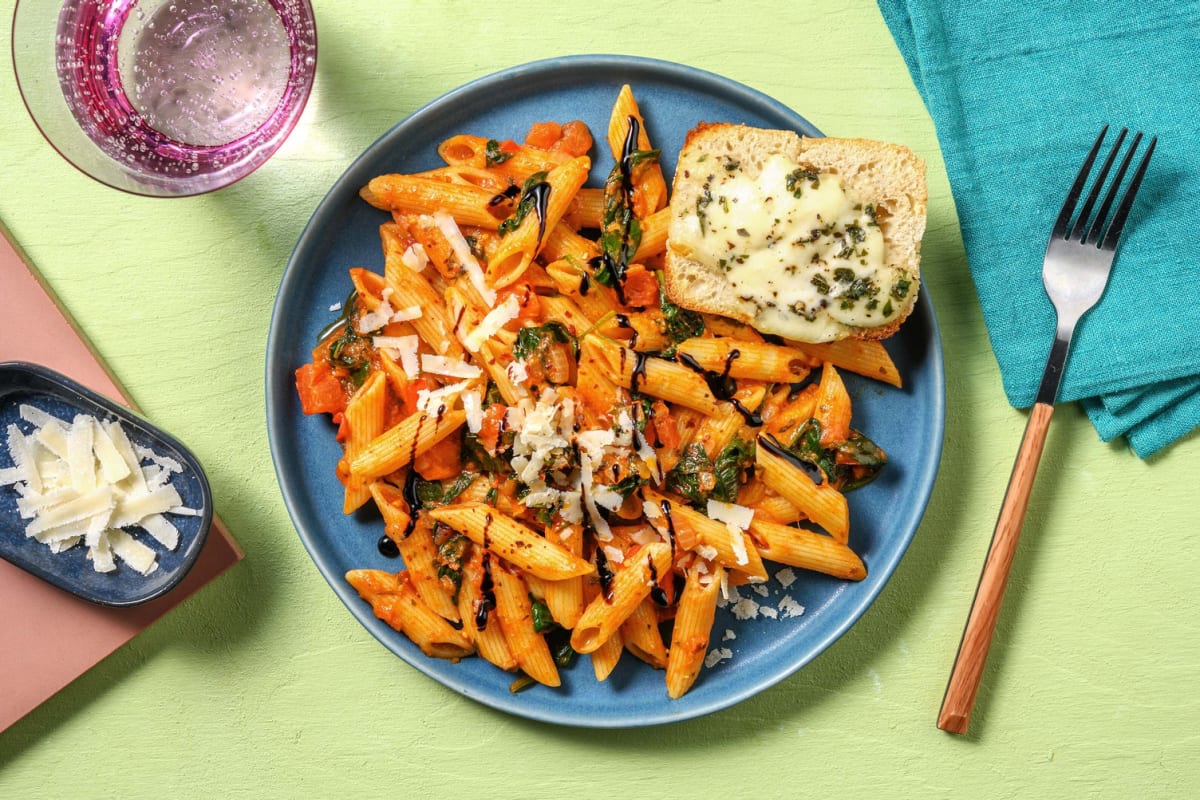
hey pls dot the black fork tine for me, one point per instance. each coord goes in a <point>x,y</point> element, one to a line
<point>1118,221</point>
<point>1086,213</point>
<point>1093,235</point>
<point>1064,216</point>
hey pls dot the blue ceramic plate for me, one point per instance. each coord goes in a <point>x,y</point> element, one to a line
<point>61,397</point>
<point>343,233</point>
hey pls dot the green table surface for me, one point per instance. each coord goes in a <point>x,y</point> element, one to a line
<point>262,685</point>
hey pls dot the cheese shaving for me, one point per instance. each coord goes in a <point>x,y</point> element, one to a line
<point>452,367</point>
<point>462,251</point>
<point>403,349</point>
<point>431,400</point>
<point>491,324</point>
<point>415,258</point>
<point>84,482</point>
<point>472,403</point>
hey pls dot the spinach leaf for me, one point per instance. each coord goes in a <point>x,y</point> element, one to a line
<point>627,485</point>
<point>524,205</point>
<point>727,469</point>
<point>692,475</point>
<point>474,451</point>
<point>429,493</point>
<point>449,558</point>
<point>348,307</point>
<point>493,155</point>
<point>458,487</point>
<point>848,465</point>
<point>542,619</point>
<point>535,338</point>
<point>681,323</point>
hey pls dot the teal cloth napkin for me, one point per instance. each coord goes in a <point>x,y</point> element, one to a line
<point>1018,93</point>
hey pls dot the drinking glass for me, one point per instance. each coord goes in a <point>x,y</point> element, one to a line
<point>166,98</point>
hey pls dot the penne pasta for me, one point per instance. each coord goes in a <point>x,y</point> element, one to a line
<point>807,549</point>
<point>712,540</point>
<point>512,541</point>
<point>515,611</point>
<point>823,504</point>
<point>396,602</point>
<point>649,189</point>
<point>398,446</point>
<point>366,415</point>
<point>865,357</point>
<point>693,627</point>
<point>564,598</point>
<point>556,449</point>
<point>467,204</point>
<point>414,540</point>
<point>753,360</point>
<point>605,614</point>
<point>641,636</point>
<point>658,377</point>
<point>518,248</point>
<point>476,607</point>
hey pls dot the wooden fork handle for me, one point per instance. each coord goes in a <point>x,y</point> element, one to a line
<point>955,715</point>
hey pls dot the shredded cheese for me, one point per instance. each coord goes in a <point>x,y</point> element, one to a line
<point>403,348</point>
<point>462,251</point>
<point>415,257</point>
<point>491,324</point>
<point>84,482</point>
<point>451,367</point>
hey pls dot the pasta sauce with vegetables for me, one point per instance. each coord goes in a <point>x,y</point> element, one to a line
<point>566,462</point>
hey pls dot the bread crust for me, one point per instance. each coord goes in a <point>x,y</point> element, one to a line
<point>890,177</point>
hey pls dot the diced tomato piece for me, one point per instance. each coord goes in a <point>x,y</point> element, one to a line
<point>641,287</point>
<point>510,147</point>
<point>543,135</point>
<point>343,431</point>
<point>489,432</point>
<point>664,424</point>
<point>576,139</point>
<point>410,394</point>
<point>442,461</point>
<point>319,389</point>
<point>531,306</point>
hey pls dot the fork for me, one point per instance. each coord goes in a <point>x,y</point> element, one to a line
<point>1078,261</point>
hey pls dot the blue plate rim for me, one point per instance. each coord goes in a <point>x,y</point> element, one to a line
<point>276,389</point>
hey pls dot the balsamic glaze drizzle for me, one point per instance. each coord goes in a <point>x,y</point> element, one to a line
<point>721,385</point>
<point>656,593</point>
<point>773,446</point>
<point>388,548</point>
<point>639,371</point>
<point>540,192</point>
<point>624,323</point>
<point>409,493</point>
<point>605,575</point>
<point>508,194</point>
<point>487,591</point>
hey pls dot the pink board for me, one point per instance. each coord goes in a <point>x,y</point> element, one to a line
<point>48,637</point>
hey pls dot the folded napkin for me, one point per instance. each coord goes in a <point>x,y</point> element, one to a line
<point>1018,93</point>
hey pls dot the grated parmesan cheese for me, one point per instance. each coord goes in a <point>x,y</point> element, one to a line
<point>472,403</point>
<point>789,607</point>
<point>415,257</point>
<point>491,324</point>
<point>716,656</point>
<point>451,367</point>
<point>462,251</point>
<point>403,349</point>
<point>84,482</point>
